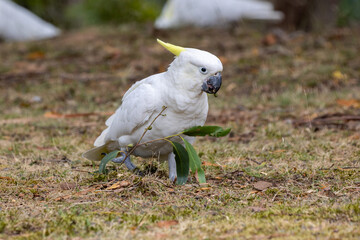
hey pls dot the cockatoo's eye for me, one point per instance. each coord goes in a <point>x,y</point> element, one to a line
<point>203,70</point>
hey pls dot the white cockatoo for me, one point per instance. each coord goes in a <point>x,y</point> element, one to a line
<point>206,13</point>
<point>181,89</point>
<point>19,24</point>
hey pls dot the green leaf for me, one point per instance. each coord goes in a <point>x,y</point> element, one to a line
<point>182,163</point>
<point>108,157</point>
<point>195,163</point>
<point>214,131</point>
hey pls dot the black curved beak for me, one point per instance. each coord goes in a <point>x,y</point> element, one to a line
<point>212,84</point>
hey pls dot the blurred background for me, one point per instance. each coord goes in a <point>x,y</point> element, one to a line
<point>265,46</point>
<point>69,14</point>
<point>290,93</point>
<point>299,14</point>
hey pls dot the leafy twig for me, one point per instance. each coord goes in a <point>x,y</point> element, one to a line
<point>159,139</point>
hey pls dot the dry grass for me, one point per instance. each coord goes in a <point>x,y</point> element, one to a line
<point>49,191</point>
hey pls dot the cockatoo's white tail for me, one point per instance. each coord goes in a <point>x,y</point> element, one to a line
<point>177,13</point>
<point>19,24</point>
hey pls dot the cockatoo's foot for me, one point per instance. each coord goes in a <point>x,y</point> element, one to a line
<point>172,167</point>
<point>128,163</point>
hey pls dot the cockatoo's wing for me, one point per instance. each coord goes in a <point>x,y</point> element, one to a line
<point>139,104</point>
<point>135,110</point>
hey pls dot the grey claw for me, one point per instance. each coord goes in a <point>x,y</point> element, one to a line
<point>119,159</point>
<point>127,161</point>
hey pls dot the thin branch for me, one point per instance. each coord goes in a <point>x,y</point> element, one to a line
<point>159,139</point>
<point>349,167</point>
<point>327,168</point>
<point>142,136</point>
<point>253,160</point>
<point>273,199</point>
<point>149,127</point>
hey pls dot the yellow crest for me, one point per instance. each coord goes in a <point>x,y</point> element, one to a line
<point>176,50</point>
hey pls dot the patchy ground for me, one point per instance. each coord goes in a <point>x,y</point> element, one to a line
<point>289,170</point>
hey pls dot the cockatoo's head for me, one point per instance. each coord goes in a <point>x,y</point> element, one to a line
<point>198,70</point>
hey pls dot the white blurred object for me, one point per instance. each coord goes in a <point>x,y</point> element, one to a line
<point>177,13</point>
<point>19,24</point>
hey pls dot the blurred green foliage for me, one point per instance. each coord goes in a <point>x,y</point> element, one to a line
<point>77,13</point>
<point>50,10</point>
<point>349,12</point>
<point>115,11</point>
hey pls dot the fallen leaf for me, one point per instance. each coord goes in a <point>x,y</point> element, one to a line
<point>269,40</point>
<point>117,185</point>
<point>8,179</point>
<point>205,163</point>
<point>279,151</point>
<point>17,120</point>
<point>339,75</point>
<point>166,224</point>
<point>35,55</point>
<point>262,185</point>
<point>356,136</point>
<point>355,103</point>
<point>205,189</point>
<point>67,186</point>
<point>236,185</point>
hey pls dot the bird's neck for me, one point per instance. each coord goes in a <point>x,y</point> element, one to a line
<point>182,81</point>
<point>181,97</point>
